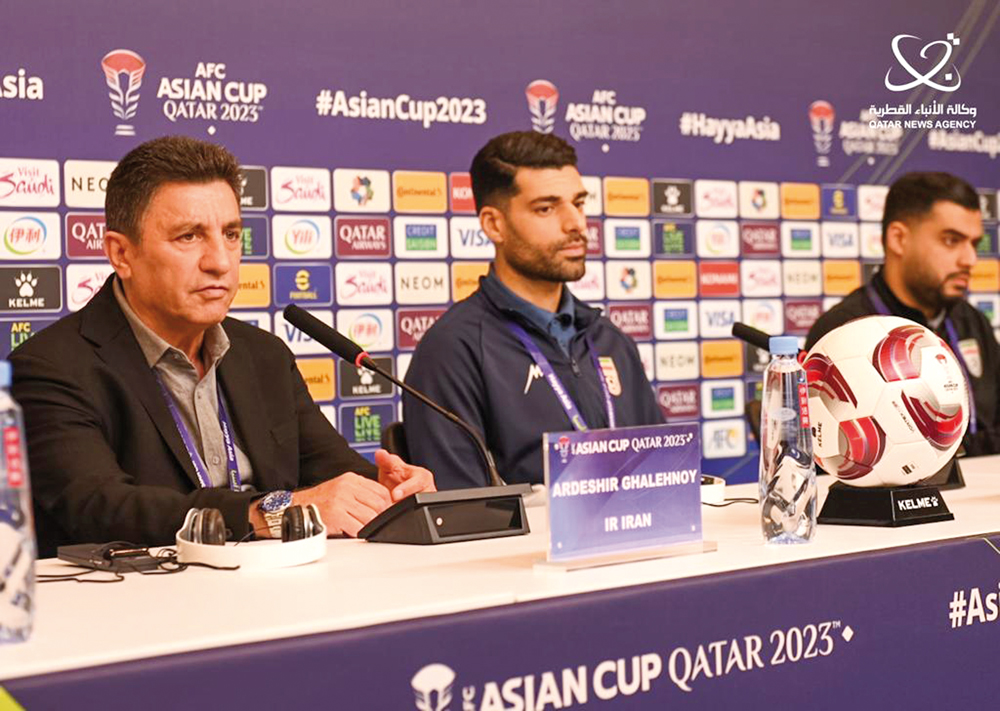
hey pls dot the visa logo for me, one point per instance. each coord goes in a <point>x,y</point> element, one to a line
<point>473,238</point>
<point>841,239</point>
<point>720,318</point>
<point>294,335</point>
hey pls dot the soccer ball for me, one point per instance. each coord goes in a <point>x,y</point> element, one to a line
<point>888,402</point>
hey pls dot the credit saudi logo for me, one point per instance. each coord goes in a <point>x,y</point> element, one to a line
<point>123,70</point>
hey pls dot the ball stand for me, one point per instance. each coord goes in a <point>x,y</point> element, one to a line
<point>891,506</point>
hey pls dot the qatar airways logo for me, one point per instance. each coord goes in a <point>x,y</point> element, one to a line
<point>412,324</point>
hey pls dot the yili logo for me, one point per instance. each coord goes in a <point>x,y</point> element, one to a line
<point>25,236</point>
<point>302,237</point>
<point>366,330</point>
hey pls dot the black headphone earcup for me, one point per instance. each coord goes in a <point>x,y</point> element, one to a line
<point>314,524</point>
<point>210,527</point>
<point>293,524</point>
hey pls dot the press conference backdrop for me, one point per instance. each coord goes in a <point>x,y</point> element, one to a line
<point>737,156</point>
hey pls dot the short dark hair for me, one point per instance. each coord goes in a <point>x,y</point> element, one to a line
<point>170,159</point>
<point>914,195</point>
<point>495,165</point>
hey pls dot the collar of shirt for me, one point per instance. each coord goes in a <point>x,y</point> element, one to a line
<point>560,325</point>
<point>154,348</point>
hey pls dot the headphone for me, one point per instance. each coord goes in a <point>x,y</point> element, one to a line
<point>202,539</point>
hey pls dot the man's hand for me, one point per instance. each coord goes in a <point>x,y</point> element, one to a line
<point>346,503</point>
<point>401,479</point>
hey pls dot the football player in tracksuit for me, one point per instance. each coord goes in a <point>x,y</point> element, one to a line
<point>523,356</point>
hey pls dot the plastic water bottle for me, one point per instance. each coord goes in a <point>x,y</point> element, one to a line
<point>787,471</point>
<point>17,535</point>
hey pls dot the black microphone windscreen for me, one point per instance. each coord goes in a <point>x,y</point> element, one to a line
<point>751,335</point>
<point>321,333</point>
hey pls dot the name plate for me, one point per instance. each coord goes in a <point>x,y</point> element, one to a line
<point>619,491</point>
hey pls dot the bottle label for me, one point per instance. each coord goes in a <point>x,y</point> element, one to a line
<point>804,404</point>
<point>12,452</point>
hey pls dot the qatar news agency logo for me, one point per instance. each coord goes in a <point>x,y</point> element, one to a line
<point>930,78</point>
<point>123,70</point>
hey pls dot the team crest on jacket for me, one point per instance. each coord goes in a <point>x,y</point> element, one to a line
<point>969,348</point>
<point>611,375</point>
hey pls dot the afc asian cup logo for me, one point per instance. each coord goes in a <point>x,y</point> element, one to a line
<point>123,70</point>
<point>821,115</point>
<point>563,447</point>
<point>543,98</point>
<point>432,687</point>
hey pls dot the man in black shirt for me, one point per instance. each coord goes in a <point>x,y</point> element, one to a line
<point>930,228</point>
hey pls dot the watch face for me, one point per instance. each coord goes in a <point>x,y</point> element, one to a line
<point>276,501</point>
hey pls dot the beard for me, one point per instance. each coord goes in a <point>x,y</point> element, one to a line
<point>547,263</point>
<point>929,289</point>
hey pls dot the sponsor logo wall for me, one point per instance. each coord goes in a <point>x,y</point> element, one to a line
<point>383,253</point>
<point>374,228</point>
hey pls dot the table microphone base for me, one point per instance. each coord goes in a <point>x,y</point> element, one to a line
<point>452,516</point>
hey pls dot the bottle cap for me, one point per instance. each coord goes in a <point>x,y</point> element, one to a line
<point>5,374</point>
<point>783,345</point>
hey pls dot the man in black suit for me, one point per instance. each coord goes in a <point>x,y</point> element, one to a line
<point>149,401</point>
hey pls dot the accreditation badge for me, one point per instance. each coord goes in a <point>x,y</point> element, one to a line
<point>969,349</point>
<point>611,375</point>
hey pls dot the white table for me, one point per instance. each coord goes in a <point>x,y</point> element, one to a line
<point>360,584</point>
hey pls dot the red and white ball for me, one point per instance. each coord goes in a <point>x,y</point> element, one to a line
<point>888,402</point>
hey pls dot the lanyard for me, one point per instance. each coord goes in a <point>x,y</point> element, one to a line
<point>557,387</point>
<point>952,341</point>
<point>232,466</point>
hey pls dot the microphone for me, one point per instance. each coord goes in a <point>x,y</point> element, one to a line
<point>751,335</point>
<point>756,337</point>
<point>350,351</point>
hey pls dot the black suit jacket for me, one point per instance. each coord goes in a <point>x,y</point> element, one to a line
<point>106,459</point>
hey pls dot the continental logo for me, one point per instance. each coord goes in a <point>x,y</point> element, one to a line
<point>626,197</point>
<point>800,201</point>
<point>841,277</point>
<point>465,278</point>
<point>721,359</point>
<point>319,377</point>
<point>419,191</point>
<point>985,276</point>
<point>255,286</point>
<point>675,279</point>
